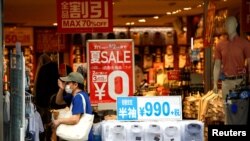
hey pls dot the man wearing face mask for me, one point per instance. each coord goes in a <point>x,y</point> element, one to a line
<point>73,85</point>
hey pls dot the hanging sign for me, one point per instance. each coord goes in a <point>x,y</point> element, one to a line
<point>24,35</point>
<point>149,108</point>
<point>47,40</point>
<point>78,16</point>
<point>110,69</point>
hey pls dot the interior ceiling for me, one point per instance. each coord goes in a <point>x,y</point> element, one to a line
<point>43,12</point>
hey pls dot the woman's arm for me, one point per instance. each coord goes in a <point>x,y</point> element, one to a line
<point>59,95</point>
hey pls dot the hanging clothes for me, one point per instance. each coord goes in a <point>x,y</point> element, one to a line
<point>6,115</point>
<point>6,109</point>
<point>33,119</point>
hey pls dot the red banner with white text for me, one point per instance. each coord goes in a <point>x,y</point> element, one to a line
<point>79,16</point>
<point>110,69</point>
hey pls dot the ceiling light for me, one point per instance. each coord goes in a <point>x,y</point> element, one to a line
<point>142,20</point>
<point>130,23</point>
<point>156,17</point>
<point>187,8</point>
<point>200,5</point>
<point>168,13</point>
<point>174,12</point>
<point>179,10</point>
<point>54,24</point>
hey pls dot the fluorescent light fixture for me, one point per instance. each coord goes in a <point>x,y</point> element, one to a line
<point>142,20</point>
<point>130,23</point>
<point>156,17</point>
<point>169,13</point>
<point>187,8</point>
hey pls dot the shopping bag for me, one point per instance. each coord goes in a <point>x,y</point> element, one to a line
<point>79,131</point>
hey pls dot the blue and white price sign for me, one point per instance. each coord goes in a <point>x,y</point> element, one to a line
<point>149,108</point>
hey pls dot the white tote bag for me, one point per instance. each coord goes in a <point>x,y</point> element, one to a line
<point>79,131</point>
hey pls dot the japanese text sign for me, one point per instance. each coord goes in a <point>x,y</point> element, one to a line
<point>149,108</point>
<point>110,69</point>
<point>78,16</point>
<point>24,35</point>
<point>47,40</point>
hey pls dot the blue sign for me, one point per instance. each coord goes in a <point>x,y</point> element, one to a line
<point>195,55</point>
<point>149,108</point>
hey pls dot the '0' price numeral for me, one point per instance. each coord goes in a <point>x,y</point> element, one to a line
<point>157,108</point>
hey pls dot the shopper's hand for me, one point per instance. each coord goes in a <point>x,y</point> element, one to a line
<point>61,84</point>
<point>55,123</point>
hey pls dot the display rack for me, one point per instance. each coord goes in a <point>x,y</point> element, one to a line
<point>17,97</point>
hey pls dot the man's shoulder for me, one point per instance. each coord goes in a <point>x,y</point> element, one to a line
<point>83,94</point>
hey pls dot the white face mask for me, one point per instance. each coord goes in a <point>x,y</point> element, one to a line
<point>68,89</point>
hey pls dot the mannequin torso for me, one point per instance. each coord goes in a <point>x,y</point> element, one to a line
<point>230,57</point>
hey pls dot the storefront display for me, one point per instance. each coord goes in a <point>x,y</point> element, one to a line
<point>187,130</point>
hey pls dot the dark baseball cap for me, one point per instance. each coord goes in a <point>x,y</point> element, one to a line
<point>73,77</point>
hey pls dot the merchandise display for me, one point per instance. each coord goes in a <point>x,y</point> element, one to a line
<point>185,130</point>
<point>169,38</point>
<point>182,57</point>
<point>146,39</point>
<point>173,60</point>
<point>192,131</point>
<point>169,57</point>
<point>135,132</point>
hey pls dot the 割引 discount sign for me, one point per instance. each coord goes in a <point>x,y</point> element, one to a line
<point>78,16</point>
<point>111,69</point>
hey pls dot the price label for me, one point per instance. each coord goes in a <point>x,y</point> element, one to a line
<point>22,35</point>
<point>155,109</point>
<point>149,108</point>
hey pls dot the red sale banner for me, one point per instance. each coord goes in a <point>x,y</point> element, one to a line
<point>110,69</point>
<point>78,16</point>
<point>24,35</point>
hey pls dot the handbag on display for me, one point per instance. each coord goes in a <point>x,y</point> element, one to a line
<point>76,132</point>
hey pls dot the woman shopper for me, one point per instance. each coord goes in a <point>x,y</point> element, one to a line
<point>73,85</point>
